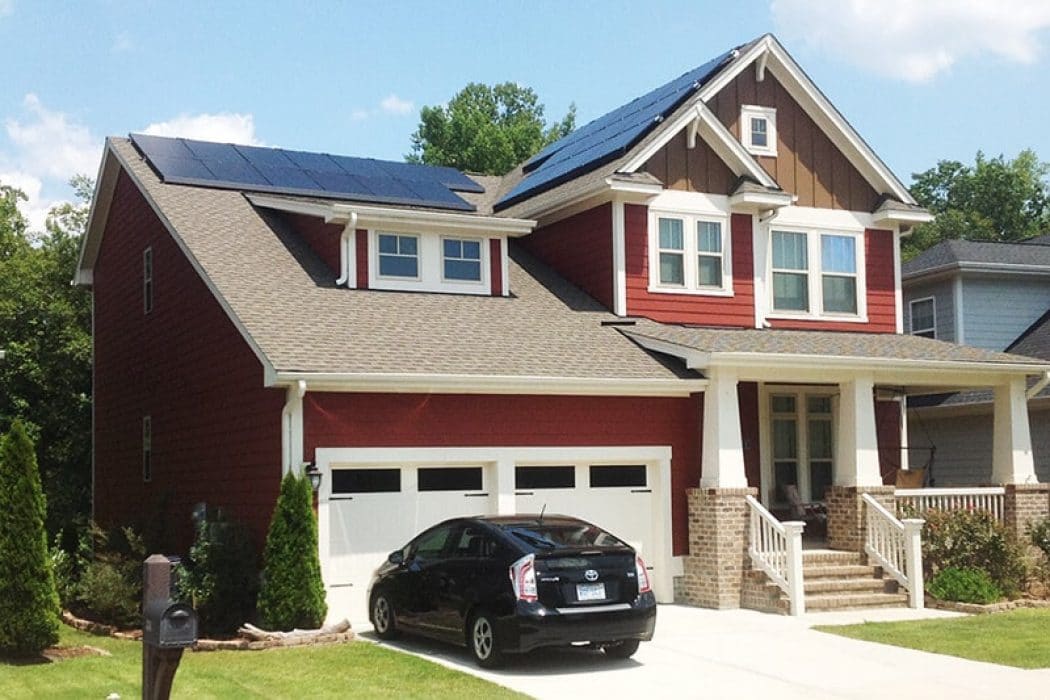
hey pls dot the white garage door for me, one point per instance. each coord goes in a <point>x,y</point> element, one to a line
<point>374,510</point>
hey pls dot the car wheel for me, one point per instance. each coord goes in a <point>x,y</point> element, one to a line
<point>621,650</point>
<point>482,641</point>
<point>384,621</point>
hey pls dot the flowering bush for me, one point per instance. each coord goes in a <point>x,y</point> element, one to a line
<point>963,539</point>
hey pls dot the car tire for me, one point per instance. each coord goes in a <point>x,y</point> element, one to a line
<point>482,641</point>
<point>384,619</point>
<point>623,649</point>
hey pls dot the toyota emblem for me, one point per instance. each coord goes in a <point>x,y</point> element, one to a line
<point>590,575</point>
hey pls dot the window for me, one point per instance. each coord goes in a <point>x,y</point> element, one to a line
<point>544,477</point>
<point>431,543</point>
<point>461,259</point>
<point>348,481</point>
<point>474,543</point>
<point>691,255</point>
<point>802,437</point>
<point>618,475</point>
<point>817,274</point>
<point>398,255</point>
<point>147,280</point>
<point>758,130</point>
<point>147,448</point>
<point>450,479</point>
<point>923,318</point>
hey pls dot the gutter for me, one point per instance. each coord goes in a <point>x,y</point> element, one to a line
<point>1038,386</point>
<point>344,249</point>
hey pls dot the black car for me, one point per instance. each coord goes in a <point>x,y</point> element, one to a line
<point>511,584</point>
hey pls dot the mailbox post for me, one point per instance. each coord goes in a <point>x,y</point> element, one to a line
<point>167,629</point>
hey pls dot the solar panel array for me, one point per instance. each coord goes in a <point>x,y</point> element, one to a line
<point>607,137</point>
<point>230,166</point>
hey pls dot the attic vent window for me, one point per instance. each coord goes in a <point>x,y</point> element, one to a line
<point>758,130</point>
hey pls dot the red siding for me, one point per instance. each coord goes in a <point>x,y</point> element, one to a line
<point>888,433</point>
<point>580,249</point>
<point>216,430</point>
<point>361,254</point>
<point>737,310</point>
<point>321,237</point>
<point>496,266</point>
<point>415,420</point>
<point>747,395</point>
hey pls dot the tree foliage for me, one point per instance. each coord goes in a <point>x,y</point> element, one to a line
<point>221,575</point>
<point>995,199</point>
<point>45,326</point>
<point>292,593</point>
<point>28,601</point>
<point>486,129</point>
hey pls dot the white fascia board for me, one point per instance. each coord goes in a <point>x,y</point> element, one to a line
<point>778,361</point>
<point>760,201</point>
<point>693,358</point>
<point>907,218</point>
<point>486,384</point>
<point>98,214</point>
<point>395,219</point>
<point>607,190</point>
<point>977,267</point>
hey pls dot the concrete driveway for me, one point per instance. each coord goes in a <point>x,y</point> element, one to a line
<point>740,653</point>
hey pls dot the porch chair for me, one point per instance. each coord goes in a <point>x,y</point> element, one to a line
<point>814,511</point>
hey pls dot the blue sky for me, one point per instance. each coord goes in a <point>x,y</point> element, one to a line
<point>921,81</point>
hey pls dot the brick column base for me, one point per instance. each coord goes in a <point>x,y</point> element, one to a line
<point>846,519</point>
<point>1023,504</point>
<point>718,533</point>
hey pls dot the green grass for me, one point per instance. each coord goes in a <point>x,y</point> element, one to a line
<point>348,670</point>
<point>1018,638</point>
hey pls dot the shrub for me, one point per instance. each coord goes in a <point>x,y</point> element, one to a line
<point>292,594</point>
<point>1039,533</point>
<point>964,586</point>
<point>28,601</point>
<point>973,540</point>
<point>110,586</point>
<point>220,575</point>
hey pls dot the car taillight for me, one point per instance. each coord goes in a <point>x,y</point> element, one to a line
<point>523,578</point>
<point>643,575</point>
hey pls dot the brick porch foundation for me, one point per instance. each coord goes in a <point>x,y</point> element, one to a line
<point>1023,504</point>
<point>846,514</point>
<point>717,561</point>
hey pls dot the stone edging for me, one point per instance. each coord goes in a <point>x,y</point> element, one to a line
<point>239,644</point>
<point>975,609</point>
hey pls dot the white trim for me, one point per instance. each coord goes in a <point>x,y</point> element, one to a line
<point>691,208</point>
<point>656,458</point>
<point>911,317</point>
<point>769,114</point>
<point>759,254</point>
<point>348,254</point>
<point>147,280</point>
<point>292,428</point>
<point>98,216</point>
<point>504,255</point>
<point>373,244</point>
<point>758,202</point>
<point>957,305</point>
<point>482,242</point>
<point>573,202</point>
<point>765,434</point>
<point>896,217</point>
<point>430,266</point>
<point>489,384</point>
<point>619,257</point>
<point>898,287</point>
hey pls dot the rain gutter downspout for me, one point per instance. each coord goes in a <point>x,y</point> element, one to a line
<point>1038,386</point>
<point>345,241</point>
<point>292,428</point>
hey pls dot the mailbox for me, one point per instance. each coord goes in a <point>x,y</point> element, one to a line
<point>169,625</point>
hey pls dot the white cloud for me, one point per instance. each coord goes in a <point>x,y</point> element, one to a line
<point>224,127</point>
<point>36,208</point>
<point>392,104</point>
<point>912,40</point>
<point>359,114</point>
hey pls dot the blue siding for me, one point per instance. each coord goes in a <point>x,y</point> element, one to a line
<point>998,309</point>
<point>944,306</point>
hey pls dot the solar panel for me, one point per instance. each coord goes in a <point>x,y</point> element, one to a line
<point>228,166</point>
<point>609,136</point>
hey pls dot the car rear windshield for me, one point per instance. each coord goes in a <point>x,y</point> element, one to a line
<point>558,535</point>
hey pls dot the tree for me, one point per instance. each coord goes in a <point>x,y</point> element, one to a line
<point>28,600</point>
<point>292,593</point>
<point>45,326</point>
<point>994,200</point>
<point>486,129</point>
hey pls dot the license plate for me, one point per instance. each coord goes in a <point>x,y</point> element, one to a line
<point>590,591</point>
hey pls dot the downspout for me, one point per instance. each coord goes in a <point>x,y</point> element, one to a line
<point>345,241</point>
<point>292,428</point>
<point>1038,386</point>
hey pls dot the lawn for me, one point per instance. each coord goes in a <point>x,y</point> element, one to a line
<point>1018,638</point>
<point>354,670</point>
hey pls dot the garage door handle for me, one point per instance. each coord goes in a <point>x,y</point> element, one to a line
<point>524,493</point>
<point>641,490</point>
<point>475,495</point>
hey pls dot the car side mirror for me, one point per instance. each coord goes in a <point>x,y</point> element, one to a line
<point>396,558</point>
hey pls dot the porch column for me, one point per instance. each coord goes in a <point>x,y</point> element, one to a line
<point>1012,461</point>
<point>722,464</point>
<point>857,453</point>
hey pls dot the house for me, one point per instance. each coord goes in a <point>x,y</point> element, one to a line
<point>990,295</point>
<point>656,323</point>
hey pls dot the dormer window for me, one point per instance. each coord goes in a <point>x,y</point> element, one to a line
<point>461,259</point>
<point>398,256</point>
<point>758,130</point>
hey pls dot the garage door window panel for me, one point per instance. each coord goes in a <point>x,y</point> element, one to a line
<point>451,479</point>
<point>618,476</point>
<point>538,478</point>
<point>351,481</point>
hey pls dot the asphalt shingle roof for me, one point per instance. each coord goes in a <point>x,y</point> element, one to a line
<point>956,252</point>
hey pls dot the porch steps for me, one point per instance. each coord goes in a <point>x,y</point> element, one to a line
<point>833,580</point>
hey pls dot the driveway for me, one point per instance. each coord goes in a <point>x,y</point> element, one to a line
<point>739,653</point>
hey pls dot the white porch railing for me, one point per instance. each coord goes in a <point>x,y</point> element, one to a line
<point>896,546</point>
<point>776,549</point>
<point>987,498</point>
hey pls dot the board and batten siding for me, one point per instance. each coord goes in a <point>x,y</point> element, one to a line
<point>998,309</point>
<point>943,304</point>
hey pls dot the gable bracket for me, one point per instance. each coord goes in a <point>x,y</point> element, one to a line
<point>760,67</point>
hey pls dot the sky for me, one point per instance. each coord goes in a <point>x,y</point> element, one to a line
<point>920,80</point>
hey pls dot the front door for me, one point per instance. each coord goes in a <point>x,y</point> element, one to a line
<point>800,430</point>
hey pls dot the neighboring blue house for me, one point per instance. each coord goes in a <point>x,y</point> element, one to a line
<point>994,296</point>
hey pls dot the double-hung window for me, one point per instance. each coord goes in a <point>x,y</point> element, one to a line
<point>817,274</point>
<point>461,259</point>
<point>758,130</point>
<point>691,255</point>
<point>923,317</point>
<point>398,255</point>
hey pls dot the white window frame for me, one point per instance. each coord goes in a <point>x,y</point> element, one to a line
<point>690,252</point>
<point>815,273</point>
<point>481,260</point>
<point>765,431</point>
<point>769,114</point>
<point>419,256</point>
<point>912,330</point>
<point>147,449</point>
<point>147,280</point>
<point>430,270</point>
